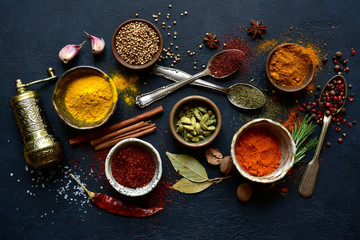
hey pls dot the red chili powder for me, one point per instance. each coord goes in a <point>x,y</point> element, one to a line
<point>133,166</point>
<point>226,63</point>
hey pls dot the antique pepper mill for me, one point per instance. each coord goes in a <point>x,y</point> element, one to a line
<point>42,148</point>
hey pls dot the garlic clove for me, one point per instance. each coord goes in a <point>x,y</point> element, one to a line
<point>68,52</point>
<point>97,44</point>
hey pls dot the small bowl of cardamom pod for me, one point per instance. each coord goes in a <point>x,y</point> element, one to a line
<point>195,121</point>
<point>85,97</point>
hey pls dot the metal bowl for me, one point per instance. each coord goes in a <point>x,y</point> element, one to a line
<point>137,66</point>
<point>286,143</point>
<point>305,82</point>
<point>58,97</point>
<point>188,101</point>
<point>133,192</point>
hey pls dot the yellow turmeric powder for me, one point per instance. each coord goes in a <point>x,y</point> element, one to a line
<point>290,64</point>
<point>89,98</point>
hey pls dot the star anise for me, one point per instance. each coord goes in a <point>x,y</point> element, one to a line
<point>256,28</point>
<point>211,41</point>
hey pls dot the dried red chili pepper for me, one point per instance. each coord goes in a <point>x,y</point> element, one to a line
<point>116,206</point>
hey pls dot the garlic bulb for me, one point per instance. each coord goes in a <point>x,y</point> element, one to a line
<point>97,44</point>
<point>68,52</point>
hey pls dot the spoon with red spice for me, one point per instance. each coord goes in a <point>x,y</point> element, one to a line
<point>332,100</point>
<point>221,65</point>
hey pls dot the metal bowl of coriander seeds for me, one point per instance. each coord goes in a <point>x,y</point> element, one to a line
<point>195,121</point>
<point>137,44</point>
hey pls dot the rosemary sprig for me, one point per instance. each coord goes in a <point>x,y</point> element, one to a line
<point>299,134</point>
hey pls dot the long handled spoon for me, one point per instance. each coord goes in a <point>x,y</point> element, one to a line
<point>235,56</point>
<point>252,100</point>
<point>308,181</point>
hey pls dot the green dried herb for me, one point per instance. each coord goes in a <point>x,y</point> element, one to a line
<point>300,132</point>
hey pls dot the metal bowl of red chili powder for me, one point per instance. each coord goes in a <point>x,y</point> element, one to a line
<point>263,150</point>
<point>133,167</point>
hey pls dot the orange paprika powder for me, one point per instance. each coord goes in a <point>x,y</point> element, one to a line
<point>258,152</point>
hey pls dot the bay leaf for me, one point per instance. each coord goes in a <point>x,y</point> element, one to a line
<point>188,167</point>
<point>184,185</point>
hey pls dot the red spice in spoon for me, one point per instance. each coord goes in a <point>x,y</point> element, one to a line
<point>226,63</point>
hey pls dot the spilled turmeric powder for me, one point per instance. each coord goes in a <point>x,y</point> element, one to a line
<point>126,87</point>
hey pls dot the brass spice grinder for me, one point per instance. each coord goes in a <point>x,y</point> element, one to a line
<point>42,148</point>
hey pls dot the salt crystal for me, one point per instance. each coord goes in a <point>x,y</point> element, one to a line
<point>11,174</point>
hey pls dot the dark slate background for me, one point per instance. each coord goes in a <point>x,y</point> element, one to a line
<point>33,32</point>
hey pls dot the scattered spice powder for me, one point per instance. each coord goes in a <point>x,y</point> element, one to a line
<point>236,42</point>
<point>126,87</point>
<point>258,152</point>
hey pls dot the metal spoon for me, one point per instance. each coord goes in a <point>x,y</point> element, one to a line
<point>146,99</point>
<point>231,92</point>
<point>308,181</point>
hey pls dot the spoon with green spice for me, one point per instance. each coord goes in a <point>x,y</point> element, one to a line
<point>241,95</point>
<point>221,65</point>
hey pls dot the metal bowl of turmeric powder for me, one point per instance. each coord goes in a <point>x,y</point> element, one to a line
<point>290,67</point>
<point>263,150</point>
<point>85,97</point>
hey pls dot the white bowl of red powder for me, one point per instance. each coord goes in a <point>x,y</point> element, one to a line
<point>263,150</point>
<point>133,167</point>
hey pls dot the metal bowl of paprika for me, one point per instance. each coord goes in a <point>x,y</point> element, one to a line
<point>263,150</point>
<point>290,67</point>
<point>133,167</point>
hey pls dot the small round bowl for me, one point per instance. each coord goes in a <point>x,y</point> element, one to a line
<point>286,143</point>
<point>133,192</point>
<point>58,97</point>
<point>305,82</point>
<point>189,101</point>
<point>137,66</point>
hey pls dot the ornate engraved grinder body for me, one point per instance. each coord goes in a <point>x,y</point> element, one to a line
<point>42,148</point>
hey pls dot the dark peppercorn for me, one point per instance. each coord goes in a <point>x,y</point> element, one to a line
<point>325,60</point>
<point>354,122</point>
<point>328,144</point>
<point>350,86</point>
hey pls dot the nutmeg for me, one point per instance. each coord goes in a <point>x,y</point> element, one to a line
<point>226,165</point>
<point>213,156</point>
<point>244,192</point>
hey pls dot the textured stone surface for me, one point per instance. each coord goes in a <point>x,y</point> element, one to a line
<point>33,32</point>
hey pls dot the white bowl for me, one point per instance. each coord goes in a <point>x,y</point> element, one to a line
<point>286,143</point>
<point>133,192</point>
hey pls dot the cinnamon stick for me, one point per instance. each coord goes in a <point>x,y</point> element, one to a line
<point>133,132</point>
<point>118,132</point>
<point>113,142</point>
<point>101,132</point>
